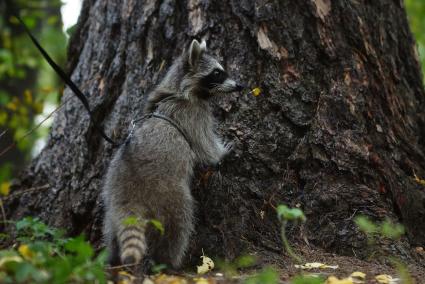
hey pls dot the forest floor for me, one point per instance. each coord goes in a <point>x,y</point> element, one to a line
<point>341,269</point>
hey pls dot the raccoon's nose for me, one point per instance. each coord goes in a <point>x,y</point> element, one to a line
<point>239,87</point>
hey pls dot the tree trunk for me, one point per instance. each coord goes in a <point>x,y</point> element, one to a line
<point>338,130</point>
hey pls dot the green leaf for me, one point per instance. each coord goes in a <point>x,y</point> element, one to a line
<point>290,214</point>
<point>130,221</point>
<point>365,225</point>
<point>157,268</point>
<point>391,230</point>
<point>79,246</point>
<point>24,271</point>
<point>245,261</point>
<point>266,276</point>
<point>158,225</point>
<point>300,279</point>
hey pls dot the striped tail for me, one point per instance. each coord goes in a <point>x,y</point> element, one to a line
<point>132,244</point>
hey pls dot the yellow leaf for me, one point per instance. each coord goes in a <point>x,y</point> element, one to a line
<point>3,118</point>
<point>358,274</point>
<point>25,251</point>
<point>335,280</point>
<point>12,258</point>
<point>169,279</point>
<point>201,280</point>
<point>418,180</point>
<point>312,265</point>
<point>147,280</point>
<point>256,92</point>
<point>125,273</point>
<point>28,96</point>
<point>385,279</point>
<point>38,107</point>
<point>207,265</point>
<point>13,105</point>
<point>13,20</point>
<point>5,188</point>
<point>47,89</point>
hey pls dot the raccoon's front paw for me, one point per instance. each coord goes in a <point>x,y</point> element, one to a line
<point>226,148</point>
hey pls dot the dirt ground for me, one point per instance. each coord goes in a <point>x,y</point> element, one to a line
<point>286,269</point>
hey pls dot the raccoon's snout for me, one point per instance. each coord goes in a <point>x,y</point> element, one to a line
<point>239,87</point>
<point>232,86</point>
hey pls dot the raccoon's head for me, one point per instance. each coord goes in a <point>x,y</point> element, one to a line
<point>205,76</point>
<point>194,75</point>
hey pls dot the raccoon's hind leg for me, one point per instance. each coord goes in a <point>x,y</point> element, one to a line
<point>114,252</point>
<point>178,230</point>
<point>111,242</point>
<point>132,244</point>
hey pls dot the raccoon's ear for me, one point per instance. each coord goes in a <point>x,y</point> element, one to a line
<point>204,45</point>
<point>195,52</point>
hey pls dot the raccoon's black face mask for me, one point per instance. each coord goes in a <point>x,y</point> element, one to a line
<point>215,78</point>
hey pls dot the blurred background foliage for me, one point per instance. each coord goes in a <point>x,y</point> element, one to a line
<point>29,89</point>
<point>27,84</point>
<point>416,14</point>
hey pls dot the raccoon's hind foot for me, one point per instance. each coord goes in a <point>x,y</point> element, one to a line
<point>114,253</point>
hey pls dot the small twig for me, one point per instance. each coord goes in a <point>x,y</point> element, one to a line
<point>12,145</point>
<point>3,213</point>
<point>352,215</point>
<point>3,133</point>
<point>121,266</point>
<point>46,186</point>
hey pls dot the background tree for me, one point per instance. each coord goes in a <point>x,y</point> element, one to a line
<point>338,130</point>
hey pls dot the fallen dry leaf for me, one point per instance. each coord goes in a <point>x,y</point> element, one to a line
<point>386,279</point>
<point>419,180</point>
<point>206,266</point>
<point>256,92</point>
<point>335,280</point>
<point>313,265</point>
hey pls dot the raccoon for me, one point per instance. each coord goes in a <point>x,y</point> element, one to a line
<point>149,177</point>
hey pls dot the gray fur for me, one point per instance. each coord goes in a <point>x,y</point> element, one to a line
<point>149,177</point>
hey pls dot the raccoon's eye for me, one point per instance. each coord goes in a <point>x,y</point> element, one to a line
<point>218,75</point>
<point>215,77</point>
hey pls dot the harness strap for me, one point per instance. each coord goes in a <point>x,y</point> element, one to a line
<point>163,117</point>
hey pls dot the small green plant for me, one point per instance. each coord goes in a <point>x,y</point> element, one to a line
<point>285,215</point>
<point>43,255</point>
<point>374,231</point>
<point>230,268</point>
<point>304,279</point>
<point>268,275</point>
<point>389,230</point>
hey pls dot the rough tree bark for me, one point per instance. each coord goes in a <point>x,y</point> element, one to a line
<point>339,130</point>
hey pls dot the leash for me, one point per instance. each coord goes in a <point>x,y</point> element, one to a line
<point>85,102</point>
<point>67,81</point>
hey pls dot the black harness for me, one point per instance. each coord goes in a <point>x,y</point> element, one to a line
<point>163,117</point>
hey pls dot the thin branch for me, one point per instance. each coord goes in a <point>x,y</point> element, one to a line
<point>3,133</point>
<point>11,146</point>
<point>3,212</point>
<point>122,266</point>
<point>46,186</point>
